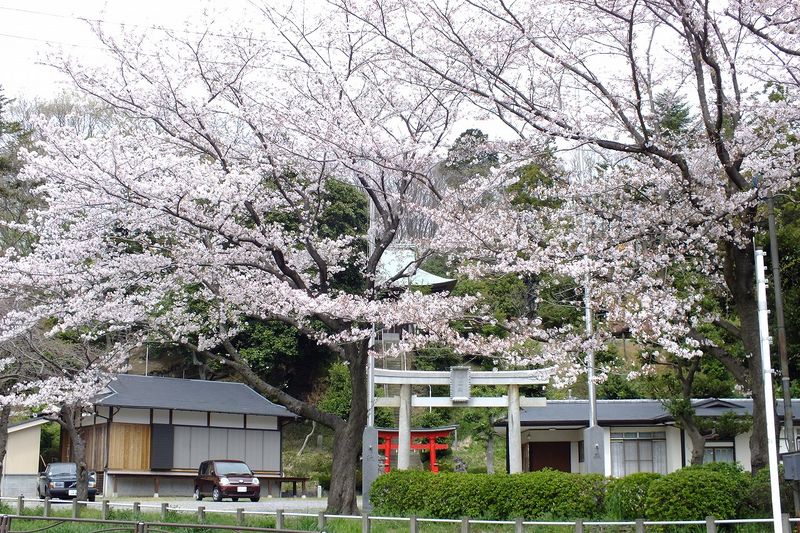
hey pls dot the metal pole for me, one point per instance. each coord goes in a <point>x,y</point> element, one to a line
<point>514,431</point>
<point>788,412</point>
<point>404,428</point>
<point>769,400</point>
<point>594,435</point>
<point>776,281</point>
<point>371,382</point>
<point>590,356</point>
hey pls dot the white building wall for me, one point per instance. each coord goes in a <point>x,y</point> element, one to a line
<point>674,456</point>
<point>742,447</point>
<point>262,422</point>
<point>574,454</point>
<point>225,420</point>
<point>189,418</point>
<point>129,415</point>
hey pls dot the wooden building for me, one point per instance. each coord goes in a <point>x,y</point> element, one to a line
<point>148,434</point>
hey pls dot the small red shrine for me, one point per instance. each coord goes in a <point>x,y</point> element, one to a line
<point>421,439</point>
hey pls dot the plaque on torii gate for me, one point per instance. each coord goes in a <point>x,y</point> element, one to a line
<point>460,379</point>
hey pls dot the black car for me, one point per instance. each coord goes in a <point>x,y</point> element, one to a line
<point>60,480</point>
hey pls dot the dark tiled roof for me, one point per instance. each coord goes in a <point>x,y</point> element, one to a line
<point>128,390</point>
<point>622,412</point>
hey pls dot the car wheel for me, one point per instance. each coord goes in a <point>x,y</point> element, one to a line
<point>255,498</point>
<point>91,498</point>
<point>234,499</point>
<point>216,494</point>
<point>197,495</point>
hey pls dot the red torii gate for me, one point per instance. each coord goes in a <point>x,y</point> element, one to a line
<point>421,439</point>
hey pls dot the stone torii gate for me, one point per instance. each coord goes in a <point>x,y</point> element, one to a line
<point>460,379</point>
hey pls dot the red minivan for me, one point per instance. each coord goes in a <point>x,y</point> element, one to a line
<point>226,478</point>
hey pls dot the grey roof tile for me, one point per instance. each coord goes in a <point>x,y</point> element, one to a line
<point>630,412</point>
<point>127,390</point>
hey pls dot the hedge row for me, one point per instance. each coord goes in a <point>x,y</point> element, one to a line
<point>721,490</point>
<point>547,493</point>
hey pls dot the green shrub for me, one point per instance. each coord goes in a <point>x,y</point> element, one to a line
<point>395,493</point>
<point>758,500</point>
<point>534,495</point>
<point>694,493</point>
<point>626,496</point>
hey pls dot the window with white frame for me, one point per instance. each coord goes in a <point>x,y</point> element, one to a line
<point>638,451</point>
<point>719,452</point>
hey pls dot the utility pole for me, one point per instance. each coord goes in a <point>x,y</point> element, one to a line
<point>594,435</point>
<point>769,400</point>
<point>788,412</point>
<point>788,418</point>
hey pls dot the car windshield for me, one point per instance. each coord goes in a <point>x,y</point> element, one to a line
<point>229,469</point>
<point>63,468</point>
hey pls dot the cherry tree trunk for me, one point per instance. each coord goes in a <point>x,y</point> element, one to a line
<point>740,277</point>
<point>697,439</point>
<point>69,418</point>
<point>347,437</point>
<point>5,412</point>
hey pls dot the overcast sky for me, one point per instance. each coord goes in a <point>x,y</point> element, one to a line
<point>29,28</point>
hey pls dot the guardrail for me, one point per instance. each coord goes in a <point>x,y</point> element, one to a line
<point>463,525</point>
<point>7,521</point>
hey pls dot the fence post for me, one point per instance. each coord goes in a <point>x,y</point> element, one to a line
<point>46,509</point>
<point>75,509</point>
<point>518,526</point>
<point>787,526</point>
<point>20,504</point>
<point>201,514</point>
<point>711,525</point>
<point>413,527</point>
<point>136,510</point>
<point>5,524</point>
<point>104,510</point>
<point>365,523</point>
<point>321,520</point>
<point>464,525</point>
<point>279,519</point>
<point>640,525</point>
<point>578,526</point>
<point>239,516</point>
<point>164,507</point>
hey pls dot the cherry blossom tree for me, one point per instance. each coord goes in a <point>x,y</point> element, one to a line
<point>58,379</point>
<point>203,206</point>
<point>669,217</point>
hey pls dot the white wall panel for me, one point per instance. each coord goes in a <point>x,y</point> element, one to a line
<point>132,416</point>
<point>254,449</point>
<point>218,444</point>
<point>262,422</point>
<point>181,457</point>
<point>198,450</point>
<point>226,420</point>
<point>272,450</point>
<point>236,444</point>
<point>190,418</point>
